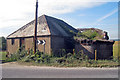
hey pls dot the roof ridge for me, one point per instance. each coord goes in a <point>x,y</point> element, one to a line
<point>46,23</point>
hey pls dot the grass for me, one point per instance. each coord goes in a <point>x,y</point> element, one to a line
<point>116,49</point>
<point>3,55</point>
<point>70,62</point>
<point>88,34</point>
<point>76,63</point>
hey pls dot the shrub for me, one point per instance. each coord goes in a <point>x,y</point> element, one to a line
<point>38,57</point>
<point>2,43</point>
<point>63,52</point>
<point>70,59</point>
<point>69,55</point>
<point>81,56</point>
<point>89,34</point>
<point>20,54</point>
<point>26,59</point>
<point>115,59</point>
<point>60,60</point>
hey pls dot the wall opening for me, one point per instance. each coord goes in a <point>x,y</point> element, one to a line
<point>12,41</point>
<point>22,42</point>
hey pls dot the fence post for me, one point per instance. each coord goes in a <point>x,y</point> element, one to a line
<point>44,48</point>
<point>95,55</point>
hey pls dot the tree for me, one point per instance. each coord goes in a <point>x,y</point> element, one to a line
<point>2,43</point>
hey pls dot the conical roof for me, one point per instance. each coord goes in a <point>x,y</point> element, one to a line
<point>46,26</point>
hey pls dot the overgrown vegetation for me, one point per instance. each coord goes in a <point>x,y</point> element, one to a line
<point>2,48</point>
<point>67,60</point>
<point>88,34</point>
<point>2,43</point>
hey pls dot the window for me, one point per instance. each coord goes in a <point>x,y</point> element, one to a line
<point>12,41</point>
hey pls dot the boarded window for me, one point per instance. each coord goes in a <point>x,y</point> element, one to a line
<point>12,41</point>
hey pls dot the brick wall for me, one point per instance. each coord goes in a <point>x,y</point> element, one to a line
<point>28,43</point>
<point>104,49</point>
<point>47,45</point>
<point>12,48</point>
<point>57,43</point>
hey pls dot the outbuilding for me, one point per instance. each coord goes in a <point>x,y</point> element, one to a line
<point>55,32</point>
<point>102,48</point>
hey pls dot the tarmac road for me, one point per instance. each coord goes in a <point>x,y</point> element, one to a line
<point>53,72</point>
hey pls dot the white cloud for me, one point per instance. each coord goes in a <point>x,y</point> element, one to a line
<point>16,13</point>
<point>62,6</point>
<point>107,15</point>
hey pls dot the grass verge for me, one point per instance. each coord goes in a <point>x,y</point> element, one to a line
<point>3,55</point>
<point>76,63</point>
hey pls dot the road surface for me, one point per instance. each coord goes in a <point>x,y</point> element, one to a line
<point>17,71</point>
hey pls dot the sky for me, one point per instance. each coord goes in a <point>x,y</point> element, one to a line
<point>101,14</point>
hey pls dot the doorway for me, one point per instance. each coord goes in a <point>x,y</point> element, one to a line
<point>22,42</point>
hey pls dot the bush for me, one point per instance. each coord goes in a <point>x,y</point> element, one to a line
<point>26,59</point>
<point>88,34</point>
<point>60,60</point>
<point>19,55</point>
<point>38,57</point>
<point>115,59</point>
<point>69,55</point>
<point>81,56</point>
<point>2,43</point>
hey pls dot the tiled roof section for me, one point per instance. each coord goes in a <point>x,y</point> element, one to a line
<point>46,26</point>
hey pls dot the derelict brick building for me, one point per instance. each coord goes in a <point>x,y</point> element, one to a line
<point>104,48</point>
<point>55,32</point>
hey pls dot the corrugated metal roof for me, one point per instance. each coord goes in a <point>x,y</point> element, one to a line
<point>46,26</point>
